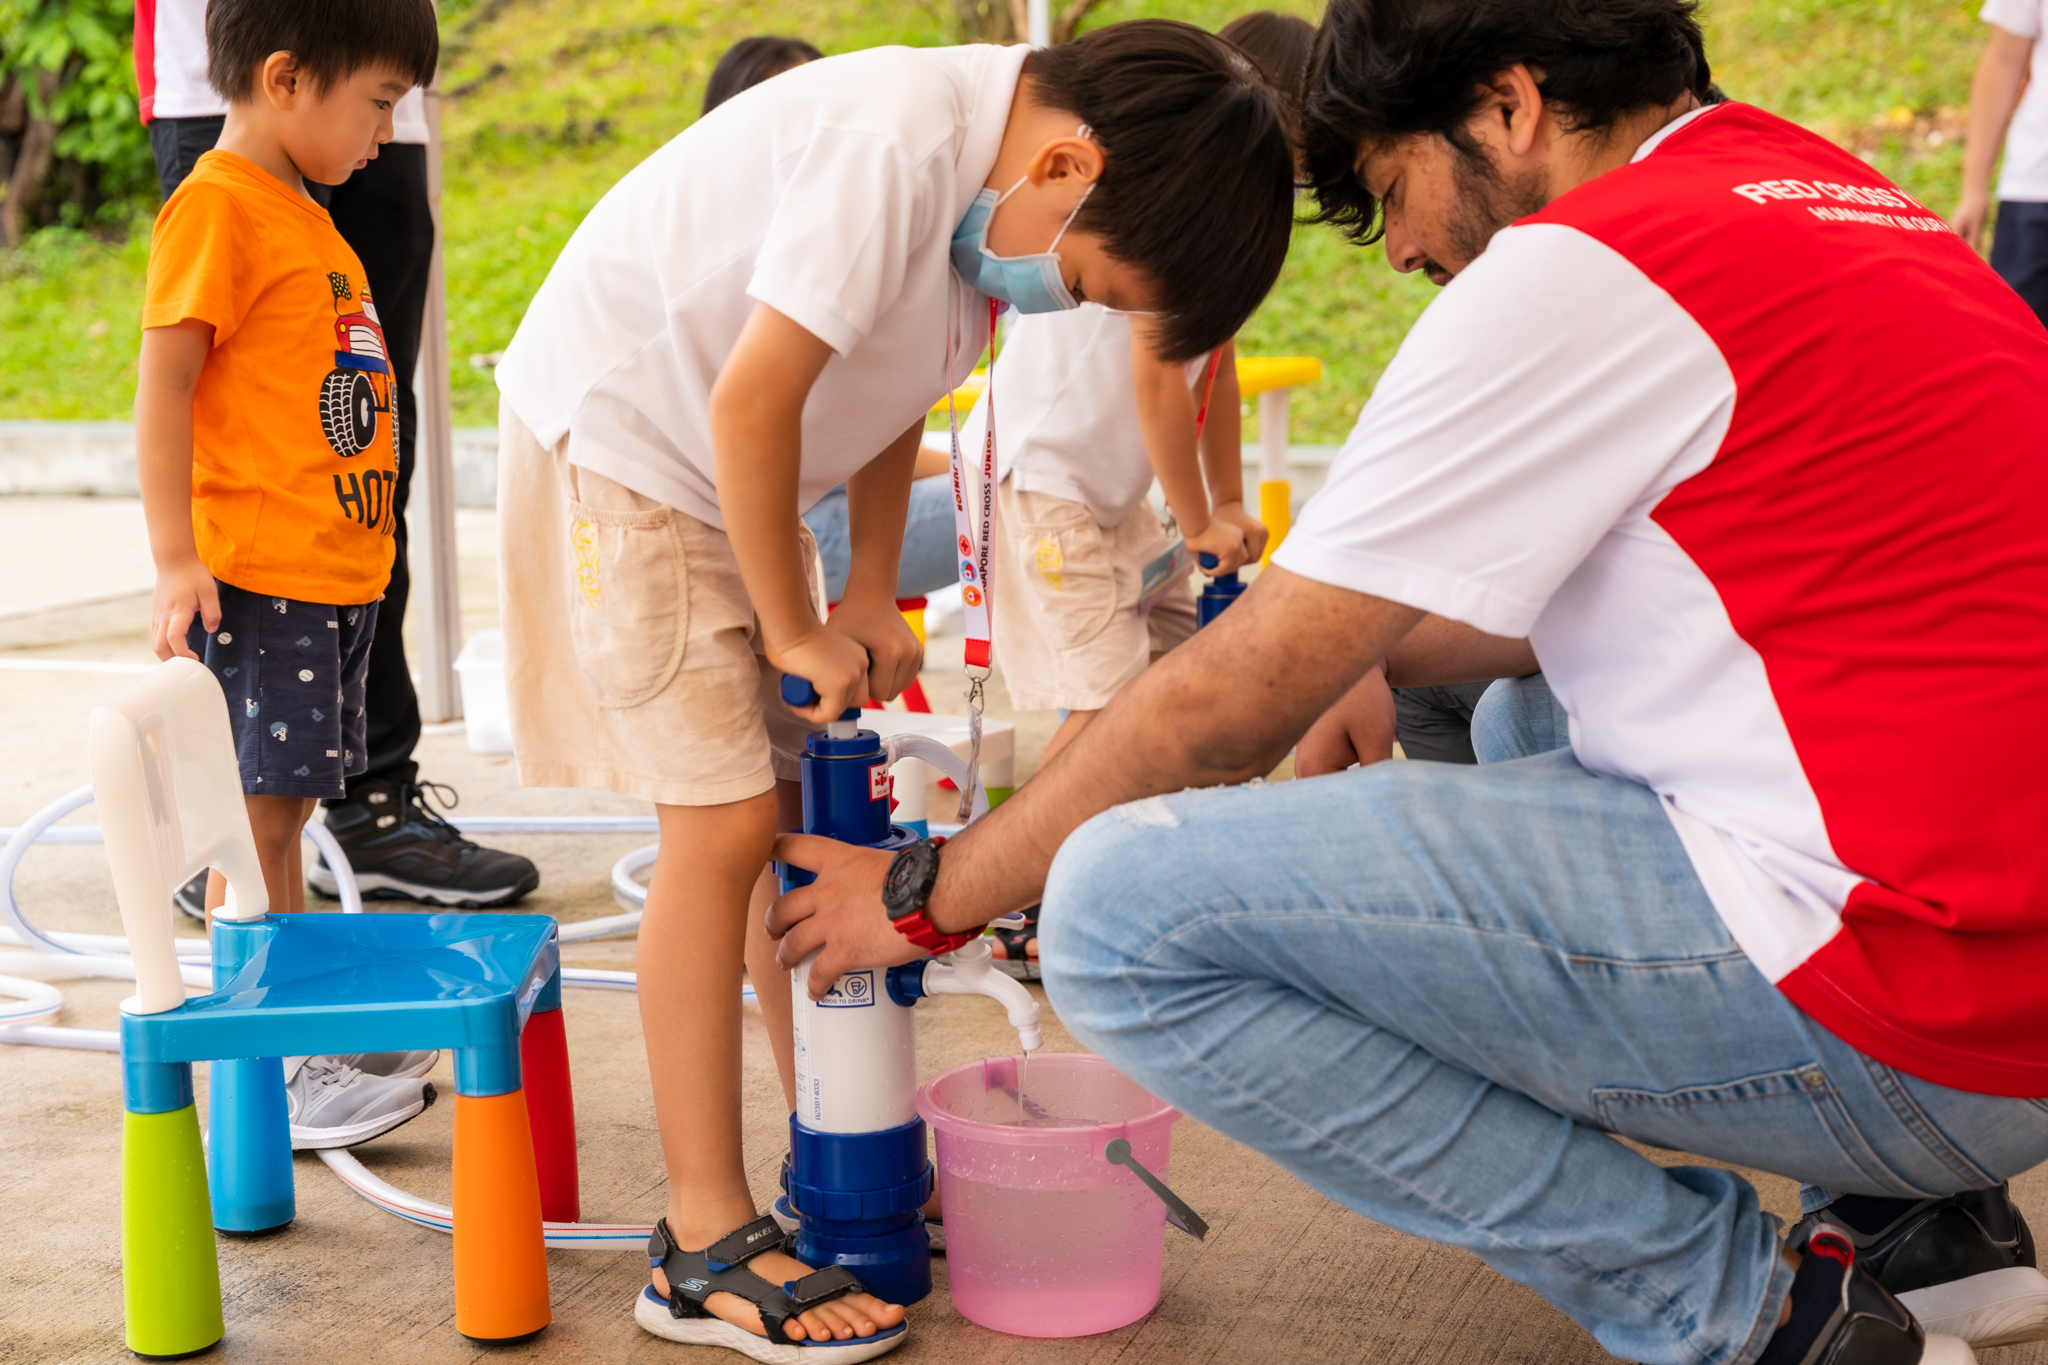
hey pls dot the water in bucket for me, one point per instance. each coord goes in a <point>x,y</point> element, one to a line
<point>1044,1237</point>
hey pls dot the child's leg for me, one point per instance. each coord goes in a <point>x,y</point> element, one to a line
<point>770,982</point>
<point>1072,726</point>
<point>275,821</point>
<point>692,940</point>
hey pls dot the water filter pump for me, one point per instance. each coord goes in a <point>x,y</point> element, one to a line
<point>1218,593</point>
<point>859,1175</point>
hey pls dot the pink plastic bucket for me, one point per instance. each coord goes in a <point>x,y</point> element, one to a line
<point>1044,1237</point>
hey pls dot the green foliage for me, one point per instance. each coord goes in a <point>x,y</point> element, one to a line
<point>70,315</point>
<point>551,101</point>
<point>88,44</point>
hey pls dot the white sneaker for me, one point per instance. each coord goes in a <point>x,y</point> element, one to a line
<point>394,1065</point>
<point>334,1105</point>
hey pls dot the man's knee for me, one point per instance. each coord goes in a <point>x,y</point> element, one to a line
<point>1093,917</point>
<point>1518,717</point>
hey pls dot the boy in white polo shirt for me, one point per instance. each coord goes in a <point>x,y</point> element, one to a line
<point>763,309</point>
<point>1089,410</point>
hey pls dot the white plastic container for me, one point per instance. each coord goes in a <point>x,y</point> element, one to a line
<point>486,714</point>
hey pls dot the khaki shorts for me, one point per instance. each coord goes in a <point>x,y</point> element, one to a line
<point>1067,630</point>
<point>632,655</point>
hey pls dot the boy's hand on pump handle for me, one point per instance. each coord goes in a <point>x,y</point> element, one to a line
<point>894,654</point>
<point>841,912</point>
<point>854,656</point>
<point>1224,539</point>
<point>1255,532</point>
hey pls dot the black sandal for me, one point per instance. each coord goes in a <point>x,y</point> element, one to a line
<point>721,1268</point>
<point>1011,933</point>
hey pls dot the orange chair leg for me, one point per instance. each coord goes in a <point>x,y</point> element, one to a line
<point>501,1267</point>
<point>551,1110</point>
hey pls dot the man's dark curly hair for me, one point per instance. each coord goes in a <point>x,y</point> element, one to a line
<point>1387,69</point>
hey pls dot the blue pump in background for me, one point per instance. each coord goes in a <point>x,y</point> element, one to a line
<point>1218,593</point>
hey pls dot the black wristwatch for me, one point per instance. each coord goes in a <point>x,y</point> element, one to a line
<point>905,890</point>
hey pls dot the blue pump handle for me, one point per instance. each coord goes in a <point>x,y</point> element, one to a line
<point>1209,561</point>
<point>799,692</point>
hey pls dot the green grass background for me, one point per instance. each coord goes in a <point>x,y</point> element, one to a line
<point>551,101</point>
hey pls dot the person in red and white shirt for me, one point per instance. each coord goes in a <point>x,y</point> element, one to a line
<point>1748,450</point>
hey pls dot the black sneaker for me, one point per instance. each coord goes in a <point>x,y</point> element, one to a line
<point>1841,1315</point>
<point>399,847</point>
<point>1963,1264</point>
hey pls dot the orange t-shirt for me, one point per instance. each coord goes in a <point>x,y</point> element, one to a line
<point>294,427</point>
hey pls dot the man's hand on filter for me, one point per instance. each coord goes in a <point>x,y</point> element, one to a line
<point>839,916</point>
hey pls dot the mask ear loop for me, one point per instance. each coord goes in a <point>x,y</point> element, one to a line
<point>1084,131</point>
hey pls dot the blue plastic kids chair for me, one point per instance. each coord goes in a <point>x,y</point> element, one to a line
<point>170,799</point>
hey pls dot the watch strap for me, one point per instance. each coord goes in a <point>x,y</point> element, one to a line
<point>918,928</point>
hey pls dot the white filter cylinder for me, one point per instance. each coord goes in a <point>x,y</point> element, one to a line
<point>856,1055</point>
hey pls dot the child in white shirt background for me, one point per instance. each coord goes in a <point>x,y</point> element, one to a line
<point>1087,415</point>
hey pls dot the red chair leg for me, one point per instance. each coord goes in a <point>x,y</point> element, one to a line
<point>551,1111</point>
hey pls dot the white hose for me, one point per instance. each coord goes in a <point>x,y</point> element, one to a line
<point>940,756</point>
<point>426,1213</point>
<point>35,1002</point>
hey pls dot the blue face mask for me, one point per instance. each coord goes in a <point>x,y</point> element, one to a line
<point>1029,284</point>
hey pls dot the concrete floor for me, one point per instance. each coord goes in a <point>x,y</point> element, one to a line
<point>1285,1274</point>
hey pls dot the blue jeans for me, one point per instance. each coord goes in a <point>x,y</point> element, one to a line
<point>1426,989</point>
<point>927,563</point>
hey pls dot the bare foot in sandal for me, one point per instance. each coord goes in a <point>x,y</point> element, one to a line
<point>744,1305</point>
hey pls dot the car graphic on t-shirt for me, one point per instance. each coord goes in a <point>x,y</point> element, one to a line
<point>359,387</point>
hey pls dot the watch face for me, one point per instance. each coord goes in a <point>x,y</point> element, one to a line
<point>908,880</point>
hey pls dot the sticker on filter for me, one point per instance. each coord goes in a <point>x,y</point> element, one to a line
<point>855,990</point>
<point>878,783</point>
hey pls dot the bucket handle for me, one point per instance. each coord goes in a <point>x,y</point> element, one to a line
<point>1118,1153</point>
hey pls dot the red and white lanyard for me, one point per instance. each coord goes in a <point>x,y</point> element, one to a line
<point>974,509</point>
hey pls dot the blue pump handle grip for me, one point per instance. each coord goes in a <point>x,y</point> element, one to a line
<point>798,691</point>
<point>1206,560</point>
<point>801,692</point>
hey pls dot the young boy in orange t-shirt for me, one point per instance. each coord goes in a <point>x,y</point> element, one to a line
<point>265,431</point>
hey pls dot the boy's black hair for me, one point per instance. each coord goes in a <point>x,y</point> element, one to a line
<point>1197,188</point>
<point>1279,45</point>
<point>330,40</point>
<point>1387,69</point>
<point>750,61</point>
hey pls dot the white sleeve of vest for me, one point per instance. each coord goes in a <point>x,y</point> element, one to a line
<point>1548,390</point>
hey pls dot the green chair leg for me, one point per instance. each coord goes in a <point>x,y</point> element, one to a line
<point>170,1281</point>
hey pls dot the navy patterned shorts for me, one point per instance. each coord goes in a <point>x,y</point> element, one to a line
<point>293,675</point>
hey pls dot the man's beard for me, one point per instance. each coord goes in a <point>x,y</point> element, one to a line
<point>1487,200</point>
